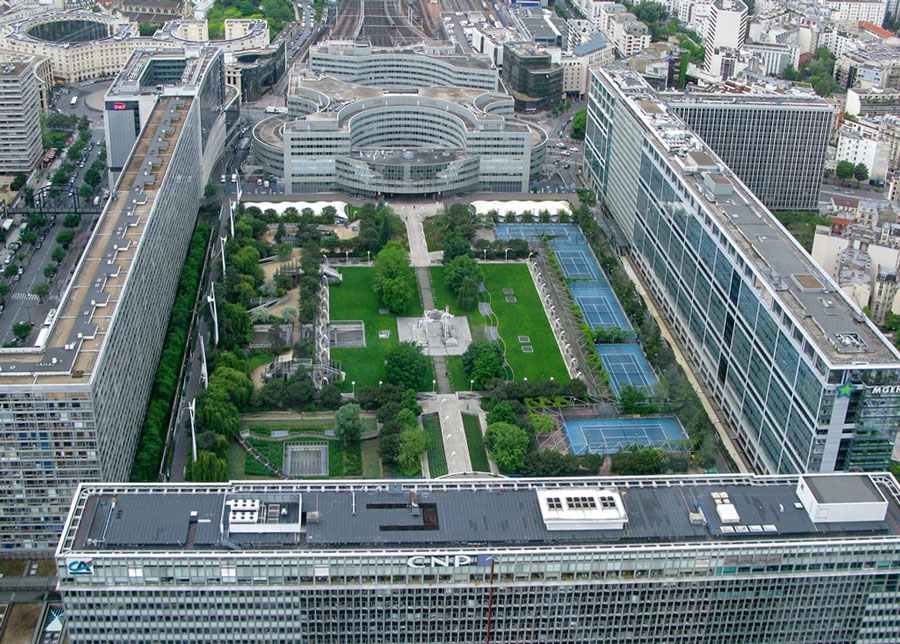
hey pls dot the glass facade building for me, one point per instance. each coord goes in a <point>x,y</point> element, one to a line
<point>805,381</point>
<point>704,560</point>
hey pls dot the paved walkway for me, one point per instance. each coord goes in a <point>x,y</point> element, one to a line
<point>456,450</point>
<point>412,216</point>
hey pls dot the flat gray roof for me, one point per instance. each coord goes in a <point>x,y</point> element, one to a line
<point>843,489</point>
<point>341,515</point>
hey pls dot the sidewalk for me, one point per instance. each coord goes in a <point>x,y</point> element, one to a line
<point>453,431</point>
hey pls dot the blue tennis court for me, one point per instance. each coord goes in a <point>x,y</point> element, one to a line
<point>577,265</point>
<point>609,435</point>
<point>626,365</point>
<point>534,232</point>
<point>599,307</point>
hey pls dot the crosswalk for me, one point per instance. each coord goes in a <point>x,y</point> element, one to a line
<point>24,297</point>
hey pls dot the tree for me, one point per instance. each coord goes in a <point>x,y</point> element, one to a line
<point>501,413</point>
<point>274,393</point>
<point>85,192</point>
<point>18,181</point>
<point>454,246</point>
<point>631,399</point>
<point>467,294</point>
<point>71,220</point>
<point>65,237</point>
<point>209,468</point>
<point>638,461</point>
<point>209,191</point>
<point>460,268</point>
<point>861,172</point>
<point>845,170</point>
<point>10,270</point>
<point>579,122</point>
<point>330,396</point>
<point>409,401</point>
<point>412,444</point>
<point>507,444</point>
<point>394,277</point>
<point>41,290</point>
<point>92,177</point>
<point>487,366</point>
<point>397,294</point>
<point>348,426</point>
<point>58,254</point>
<point>406,366</point>
<point>60,177</point>
<point>4,290</point>
<point>300,391</point>
<point>30,237</point>
<point>22,330</point>
<point>475,350</point>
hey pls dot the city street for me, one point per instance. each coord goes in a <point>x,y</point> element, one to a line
<point>21,305</point>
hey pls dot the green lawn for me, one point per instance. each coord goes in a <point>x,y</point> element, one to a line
<point>371,462</point>
<point>265,426</point>
<point>525,317</point>
<point>475,441</point>
<point>257,359</point>
<point>355,299</point>
<point>437,460</point>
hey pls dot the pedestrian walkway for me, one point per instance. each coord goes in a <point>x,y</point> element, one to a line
<point>453,432</point>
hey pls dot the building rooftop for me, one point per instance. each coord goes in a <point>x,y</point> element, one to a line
<point>842,332</point>
<point>313,516</point>
<point>133,80</point>
<point>73,336</point>
<point>744,100</point>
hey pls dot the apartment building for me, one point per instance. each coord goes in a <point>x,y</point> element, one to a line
<point>20,126</point>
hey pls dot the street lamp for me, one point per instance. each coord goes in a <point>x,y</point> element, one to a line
<point>353,384</point>
<point>379,382</point>
<point>484,251</point>
<point>472,385</point>
<point>506,254</point>
<point>434,386</point>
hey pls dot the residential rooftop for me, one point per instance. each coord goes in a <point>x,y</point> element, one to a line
<point>831,322</point>
<point>73,336</point>
<point>763,100</point>
<point>315,516</point>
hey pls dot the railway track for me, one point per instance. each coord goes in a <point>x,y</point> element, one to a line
<point>346,22</point>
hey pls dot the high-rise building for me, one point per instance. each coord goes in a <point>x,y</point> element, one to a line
<point>736,558</point>
<point>72,404</point>
<point>725,27</point>
<point>776,144</point>
<point>20,126</point>
<point>805,381</point>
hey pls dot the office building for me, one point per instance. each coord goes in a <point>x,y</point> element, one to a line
<point>437,141</point>
<point>426,65</point>
<point>726,27</point>
<point>20,125</point>
<point>531,77</point>
<point>736,558</point>
<point>72,404</point>
<point>804,380</point>
<point>856,11</point>
<point>775,143</point>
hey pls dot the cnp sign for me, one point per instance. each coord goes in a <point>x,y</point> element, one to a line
<point>448,561</point>
<point>893,389</point>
